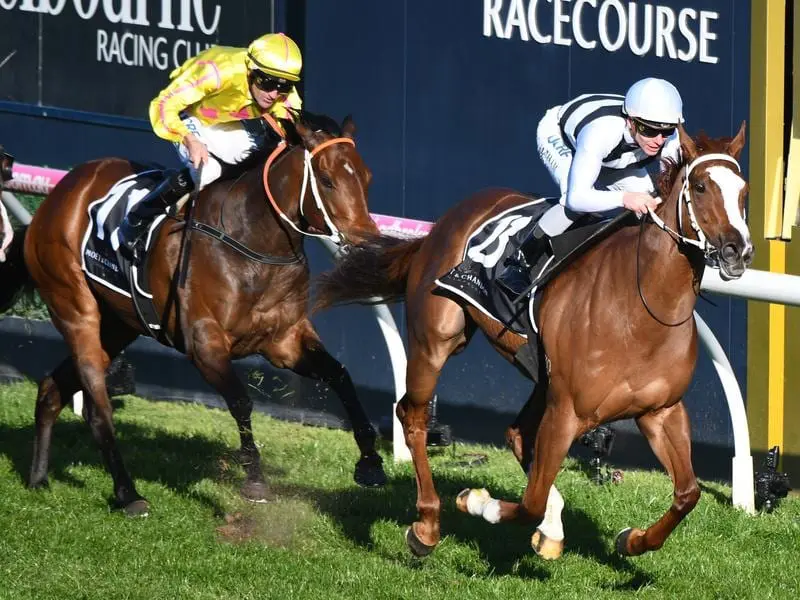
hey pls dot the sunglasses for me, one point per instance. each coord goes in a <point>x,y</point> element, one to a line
<point>267,83</point>
<point>649,131</point>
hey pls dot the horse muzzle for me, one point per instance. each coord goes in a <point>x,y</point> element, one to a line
<point>734,258</point>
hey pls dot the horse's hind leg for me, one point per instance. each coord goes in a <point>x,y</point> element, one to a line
<point>302,352</point>
<point>440,330</point>
<point>669,434</point>
<point>521,434</point>
<point>55,391</point>
<point>92,354</point>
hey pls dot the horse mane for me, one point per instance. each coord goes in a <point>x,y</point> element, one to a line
<point>313,121</point>
<point>705,145</point>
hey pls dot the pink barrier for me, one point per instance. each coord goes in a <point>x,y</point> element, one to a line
<point>34,180</point>
<point>29,179</point>
<point>401,225</point>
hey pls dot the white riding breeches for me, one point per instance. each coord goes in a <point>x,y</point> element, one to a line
<point>228,144</point>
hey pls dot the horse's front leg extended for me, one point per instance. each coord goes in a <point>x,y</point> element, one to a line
<point>541,501</point>
<point>669,434</point>
<point>302,351</point>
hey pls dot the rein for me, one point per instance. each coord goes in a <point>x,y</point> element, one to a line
<point>308,175</point>
<point>702,240</point>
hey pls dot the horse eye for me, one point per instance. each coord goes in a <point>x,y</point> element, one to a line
<point>326,181</point>
<point>699,187</point>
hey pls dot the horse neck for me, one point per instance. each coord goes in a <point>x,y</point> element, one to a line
<point>285,181</point>
<point>670,272</point>
<point>249,216</point>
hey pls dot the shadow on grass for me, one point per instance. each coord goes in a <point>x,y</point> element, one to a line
<point>179,462</point>
<point>175,461</point>
<point>504,547</point>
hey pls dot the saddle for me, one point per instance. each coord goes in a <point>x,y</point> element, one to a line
<point>498,238</point>
<point>100,258</point>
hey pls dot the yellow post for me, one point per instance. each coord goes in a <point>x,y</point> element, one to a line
<point>766,323</point>
<point>792,192</point>
<point>777,354</point>
<point>766,110</point>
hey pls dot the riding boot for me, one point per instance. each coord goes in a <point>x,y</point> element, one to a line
<point>517,276</point>
<point>134,226</point>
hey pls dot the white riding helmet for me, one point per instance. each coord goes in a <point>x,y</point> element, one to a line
<point>654,100</point>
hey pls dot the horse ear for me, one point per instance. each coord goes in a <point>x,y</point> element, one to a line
<point>688,147</point>
<point>306,134</point>
<point>348,127</point>
<point>736,144</point>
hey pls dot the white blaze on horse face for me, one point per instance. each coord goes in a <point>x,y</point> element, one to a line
<point>730,184</point>
<point>349,168</point>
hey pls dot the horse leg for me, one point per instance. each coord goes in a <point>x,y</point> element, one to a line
<point>521,434</point>
<point>548,540</point>
<point>309,358</point>
<point>211,355</point>
<point>541,500</point>
<point>669,434</point>
<point>412,411</point>
<point>55,391</point>
<point>91,361</point>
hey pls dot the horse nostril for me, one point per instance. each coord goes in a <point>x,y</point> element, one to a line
<point>748,255</point>
<point>730,253</point>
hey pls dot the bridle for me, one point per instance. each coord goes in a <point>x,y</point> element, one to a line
<point>335,235</point>
<point>702,240</point>
<point>709,252</point>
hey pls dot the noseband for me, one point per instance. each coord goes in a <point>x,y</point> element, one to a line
<point>308,175</point>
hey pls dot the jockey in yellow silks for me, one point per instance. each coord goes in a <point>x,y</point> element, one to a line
<point>214,112</point>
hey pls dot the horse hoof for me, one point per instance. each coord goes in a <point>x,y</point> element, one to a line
<point>255,491</point>
<point>547,548</point>
<point>369,472</point>
<point>622,542</point>
<point>461,500</point>
<point>137,508</point>
<point>418,547</point>
<point>39,484</point>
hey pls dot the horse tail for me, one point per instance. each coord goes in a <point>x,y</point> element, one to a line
<point>372,272</point>
<point>14,276</point>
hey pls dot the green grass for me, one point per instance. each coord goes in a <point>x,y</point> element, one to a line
<point>323,537</point>
<point>28,306</point>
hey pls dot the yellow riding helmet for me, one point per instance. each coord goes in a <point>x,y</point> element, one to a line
<point>277,55</point>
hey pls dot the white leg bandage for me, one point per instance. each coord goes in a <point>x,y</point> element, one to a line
<point>491,512</point>
<point>476,502</point>
<point>551,525</point>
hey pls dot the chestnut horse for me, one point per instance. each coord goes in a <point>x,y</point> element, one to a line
<point>616,332</point>
<point>232,305</point>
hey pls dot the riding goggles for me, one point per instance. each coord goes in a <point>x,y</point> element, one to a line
<point>267,83</point>
<point>650,131</point>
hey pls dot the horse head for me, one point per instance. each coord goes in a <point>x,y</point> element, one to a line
<point>335,181</point>
<point>713,191</point>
